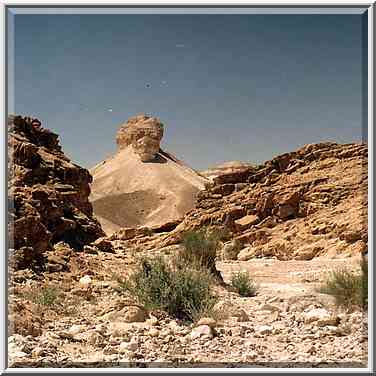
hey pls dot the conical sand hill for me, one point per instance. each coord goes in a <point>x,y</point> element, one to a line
<point>141,185</point>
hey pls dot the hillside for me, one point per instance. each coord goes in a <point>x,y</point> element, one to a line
<point>299,205</point>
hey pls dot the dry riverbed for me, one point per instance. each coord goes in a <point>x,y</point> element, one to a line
<point>287,324</point>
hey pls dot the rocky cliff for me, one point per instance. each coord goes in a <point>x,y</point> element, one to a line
<point>299,205</point>
<point>47,196</point>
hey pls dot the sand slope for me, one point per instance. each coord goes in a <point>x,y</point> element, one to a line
<point>127,192</point>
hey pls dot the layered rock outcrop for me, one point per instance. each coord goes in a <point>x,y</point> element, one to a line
<point>47,196</point>
<point>143,134</point>
<point>298,205</point>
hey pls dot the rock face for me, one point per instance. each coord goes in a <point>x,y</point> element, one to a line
<point>299,205</point>
<point>47,195</point>
<point>142,185</point>
<point>143,134</point>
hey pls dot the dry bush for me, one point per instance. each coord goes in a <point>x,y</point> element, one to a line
<point>243,284</point>
<point>182,292</point>
<point>200,251</point>
<point>348,288</point>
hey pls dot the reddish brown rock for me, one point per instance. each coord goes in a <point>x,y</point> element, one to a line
<point>239,176</point>
<point>103,244</point>
<point>47,195</point>
<point>265,205</point>
<point>288,207</point>
<point>246,222</point>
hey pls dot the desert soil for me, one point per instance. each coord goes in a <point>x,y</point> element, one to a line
<point>100,327</point>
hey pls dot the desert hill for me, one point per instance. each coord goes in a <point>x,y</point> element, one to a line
<point>299,205</point>
<point>142,185</point>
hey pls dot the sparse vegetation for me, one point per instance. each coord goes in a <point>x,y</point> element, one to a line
<point>182,292</point>
<point>348,288</point>
<point>200,251</point>
<point>243,284</point>
<point>44,296</point>
<point>231,250</point>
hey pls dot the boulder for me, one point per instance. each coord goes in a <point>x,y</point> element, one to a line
<point>103,244</point>
<point>264,206</point>
<point>246,222</point>
<point>321,317</point>
<point>128,314</point>
<point>207,321</point>
<point>85,281</point>
<point>202,330</point>
<point>246,254</point>
<point>288,207</point>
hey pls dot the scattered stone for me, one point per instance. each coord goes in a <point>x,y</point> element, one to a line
<point>153,321</point>
<point>65,334</point>
<point>124,347</point>
<point>250,355</point>
<point>321,316</point>
<point>103,245</point>
<point>37,352</point>
<point>85,281</point>
<point>90,250</point>
<point>269,307</point>
<point>19,354</point>
<point>240,315</point>
<point>153,332</point>
<point>207,321</point>
<point>202,330</point>
<point>264,329</point>
<point>129,346</point>
<point>133,314</point>
<point>246,254</point>
<point>246,222</point>
<point>76,329</point>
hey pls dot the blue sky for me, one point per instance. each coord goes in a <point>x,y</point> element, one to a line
<point>227,87</point>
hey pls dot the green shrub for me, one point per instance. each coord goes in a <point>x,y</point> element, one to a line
<point>243,284</point>
<point>348,288</point>
<point>200,251</point>
<point>232,249</point>
<point>182,292</point>
<point>45,295</point>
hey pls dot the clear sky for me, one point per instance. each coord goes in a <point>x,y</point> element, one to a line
<point>227,87</point>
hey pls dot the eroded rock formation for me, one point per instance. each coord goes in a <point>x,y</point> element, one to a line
<point>127,192</point>
<point>142,133</point>
<point>299,205</point>
<point>47,196</point>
